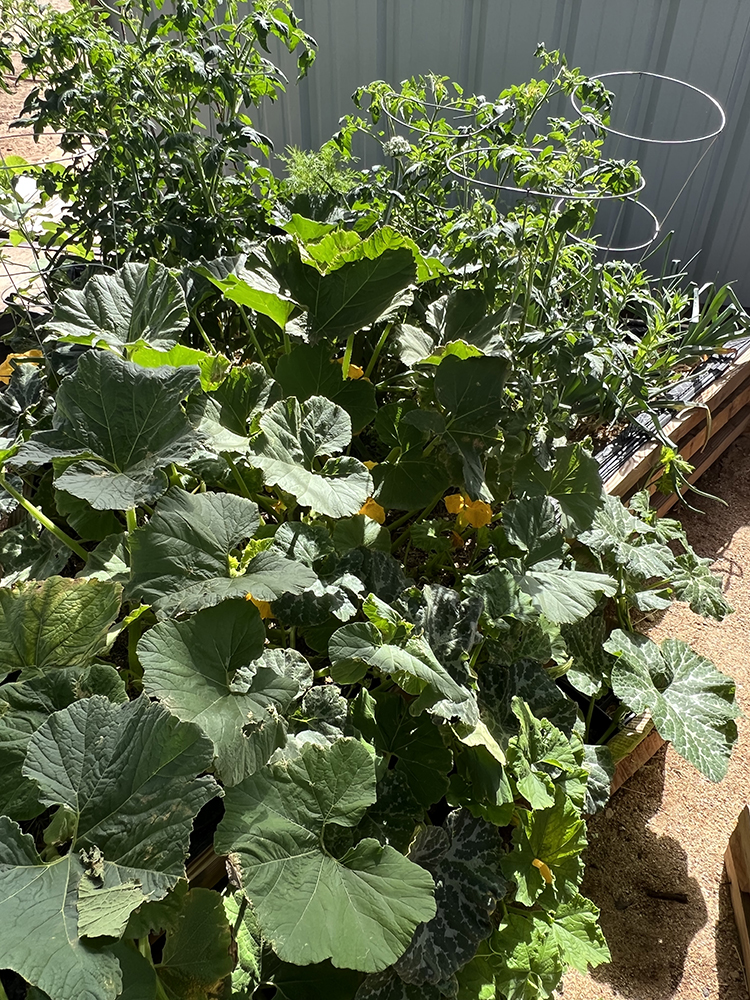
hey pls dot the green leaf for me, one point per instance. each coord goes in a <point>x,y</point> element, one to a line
<point>410,483</point>
<point>525,679</point>
<point>394,816</point>
<point>359,530</point>
<point>591,666</point>
<point>472,393</point>
<point>573,481</point>
<point>138,304</point>
<point>124,423</point>
<point>692,581</point>
<point>353,295</point>
<point>197,955</point>
<point>601,769</point>
<point>309,371</point>
<point>57,623</point>
<point>692,703</point>
<point>213,367</point>
<point>247,973</point>
<point>464,859</point>
<point>294,438</point>
<point>413,665</point>
<point>256,289</point>
<point>209,670</point>
<point>543,760</point>
<point>414,744</point>
<point>500,594</point>
<point>244,393</point>
<point>24,706</point>
<point>565,595</point>
<point>556,836</point>
<point>89,524</point>
<point>616,533</point>
<point>109,561</point>
<point>531,965</point>
<point>127,774</point>
<point>180,557</point>
<point>575,930</point>
<point>30,552</point>
<point>359,910</point>
<point>533,527</point>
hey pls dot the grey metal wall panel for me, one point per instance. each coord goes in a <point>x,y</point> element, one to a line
<point>487,44</point>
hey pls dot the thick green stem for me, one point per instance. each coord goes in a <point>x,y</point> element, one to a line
<point>237,476</point>
<point>346,363</point>
<point>3,994</point>
<point>378,348</point>
<point>131,519</point>
<point>205,336</point>
<point>254,341</point>
<point>589,716</point>
<point>425,513</point>
<point>45,522</point>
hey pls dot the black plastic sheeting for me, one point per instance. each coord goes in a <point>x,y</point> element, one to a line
<point>614,455</point>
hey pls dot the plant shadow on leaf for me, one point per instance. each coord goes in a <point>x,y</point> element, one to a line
<point>628,868</point>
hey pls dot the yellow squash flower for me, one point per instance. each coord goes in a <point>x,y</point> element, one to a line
<point>263,606</point>
<point>477,513</point>
<point>543,870</point>
<point>372,509</point>
<point>6,368</point>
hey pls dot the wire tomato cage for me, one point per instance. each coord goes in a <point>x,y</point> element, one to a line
<point>475,164</point>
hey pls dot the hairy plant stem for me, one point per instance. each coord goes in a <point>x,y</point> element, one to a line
<point>254,341</point>
<point>589,717</point>
<point>237,476</point>
<point>378,348</point>
<point>206,338</point>
<point>42,518</point>
<point>346,363</point>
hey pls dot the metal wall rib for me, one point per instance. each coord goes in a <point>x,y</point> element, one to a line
<point>488,44</point>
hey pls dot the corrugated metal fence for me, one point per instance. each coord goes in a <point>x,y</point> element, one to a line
<point>485,45</point>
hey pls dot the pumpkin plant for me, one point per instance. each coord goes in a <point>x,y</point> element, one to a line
<point>346,602</point>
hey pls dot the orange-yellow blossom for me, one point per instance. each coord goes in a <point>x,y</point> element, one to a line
<point>372,509</point>
<point>354,370</point>
<point>477,513</point>
<point>263,606</point>
<point>6,368</point>
<point>370,465</point>
<point>543,870</point>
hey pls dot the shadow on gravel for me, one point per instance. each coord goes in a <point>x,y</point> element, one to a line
<point>728,962</point>
<point>650,908</point>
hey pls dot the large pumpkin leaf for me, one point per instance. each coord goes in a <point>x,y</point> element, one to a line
<point>310,371</point>
<point>359,909</point>
<point>127,778</point>
<point>471,390</point>
<point>294,438</point>
<point>138,304</point>
<point>413,745</point>
<point>210,670</point>
<point>353,294</point>
<point>691,702</point>
<point>124,424</point>
<point>255,289</point>
<point>573,481</point>
<point>412,664</point>
<point>525,679</point>
<point>180,559</point>
<point>556,837</point>
<point>197,955</point>
<point>24,706</point>
<point>57,623</point>
<point>464,859</point>
<point>564,595</point>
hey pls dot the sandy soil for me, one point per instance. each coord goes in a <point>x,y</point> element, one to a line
<point>667,829</point>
